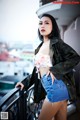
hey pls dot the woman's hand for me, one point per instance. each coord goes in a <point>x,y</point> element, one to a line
<point>52,76</point>
<point>19,84</point>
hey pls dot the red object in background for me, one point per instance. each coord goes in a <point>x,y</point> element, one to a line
<point>66,2</point>
<point>4,56</point>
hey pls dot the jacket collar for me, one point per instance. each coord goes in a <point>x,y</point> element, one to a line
<point>54,41</point>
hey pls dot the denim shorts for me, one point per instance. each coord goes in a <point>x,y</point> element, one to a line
<point>56,91</point>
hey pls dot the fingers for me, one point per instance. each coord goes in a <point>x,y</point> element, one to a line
<point>48,73</point>
<point>52,76</point>
<point>19,84</point>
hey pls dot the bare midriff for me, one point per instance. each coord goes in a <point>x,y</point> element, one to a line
<point>43,70</point>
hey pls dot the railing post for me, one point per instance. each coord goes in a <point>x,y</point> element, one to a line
<point>22,106</point>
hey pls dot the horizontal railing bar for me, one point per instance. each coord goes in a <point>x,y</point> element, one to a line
<point>11,104</point>
<point>8,96</point>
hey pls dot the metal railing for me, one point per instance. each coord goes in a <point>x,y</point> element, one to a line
<point>14,104</point>
<point>19,105</point>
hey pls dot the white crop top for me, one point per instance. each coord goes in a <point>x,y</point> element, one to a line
<point>42,58</point>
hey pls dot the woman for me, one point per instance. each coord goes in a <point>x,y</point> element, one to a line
<point>52,75</point>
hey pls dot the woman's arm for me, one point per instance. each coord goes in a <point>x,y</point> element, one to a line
<point>28,82</point>
<point>69,60</point>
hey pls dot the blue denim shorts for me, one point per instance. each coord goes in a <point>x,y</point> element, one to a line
<point>56,91</point>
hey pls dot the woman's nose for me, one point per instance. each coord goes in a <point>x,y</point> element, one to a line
<point>43,25</point>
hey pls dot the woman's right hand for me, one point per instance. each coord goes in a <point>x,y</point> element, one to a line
<point>19,84</point>
<point>52,76</point>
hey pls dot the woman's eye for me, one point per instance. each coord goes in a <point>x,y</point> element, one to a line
<point>46,23</point>
<point>40,23</point>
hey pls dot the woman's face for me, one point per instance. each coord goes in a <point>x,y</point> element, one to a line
<point>45,26</point>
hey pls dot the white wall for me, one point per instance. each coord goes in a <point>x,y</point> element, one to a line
<point>72,35</point>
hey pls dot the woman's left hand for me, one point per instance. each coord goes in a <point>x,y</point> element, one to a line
<point>52,76</point>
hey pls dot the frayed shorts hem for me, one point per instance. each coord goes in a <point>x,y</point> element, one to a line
<point>54,100</point>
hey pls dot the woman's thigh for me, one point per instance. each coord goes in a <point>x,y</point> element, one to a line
<point>62,113</point>
<point>49,110</point>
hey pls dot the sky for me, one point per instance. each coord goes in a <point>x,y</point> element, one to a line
<point>18,20</point>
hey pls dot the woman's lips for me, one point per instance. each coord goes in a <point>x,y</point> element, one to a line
<point>42,30</point>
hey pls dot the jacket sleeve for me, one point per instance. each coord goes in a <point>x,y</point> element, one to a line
<point>69,60</point>
<point>29,80</point>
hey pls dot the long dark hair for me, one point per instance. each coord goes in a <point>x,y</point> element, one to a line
<point>55,30</point>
